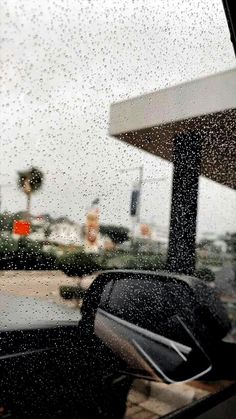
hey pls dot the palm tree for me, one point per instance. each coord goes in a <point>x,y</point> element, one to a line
<point>30,181</point>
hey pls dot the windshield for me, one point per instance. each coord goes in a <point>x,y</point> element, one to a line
<point>118,153</point>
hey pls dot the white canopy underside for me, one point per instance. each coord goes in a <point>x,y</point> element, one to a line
<point>206,106</point>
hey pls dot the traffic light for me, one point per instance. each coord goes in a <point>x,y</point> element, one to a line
<point>134,203</point>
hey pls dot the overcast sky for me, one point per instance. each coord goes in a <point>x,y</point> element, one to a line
<point>64,63</point>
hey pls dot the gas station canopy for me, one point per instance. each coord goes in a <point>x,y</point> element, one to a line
<point>206,106</point>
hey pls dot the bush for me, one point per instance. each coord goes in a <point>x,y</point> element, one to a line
<point>79,264</point>
<point>143,262</point>
<point>68,292</point>
<point>21,260</point>
<point>117,234</point>
<point>7,245</point>
<point>25,254</point>
<point>205,273</point>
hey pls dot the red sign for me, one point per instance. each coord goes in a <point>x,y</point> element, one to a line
<point>21,227</point>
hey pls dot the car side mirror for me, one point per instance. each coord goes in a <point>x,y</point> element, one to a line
<point>119,323</point>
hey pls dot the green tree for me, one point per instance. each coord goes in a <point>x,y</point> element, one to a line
<point>230,240</point>
<point>6,221</point>
<point>7,245</point>
<point>144,262</point>
<point>79,264</point>
<point>47,231</point>
<point>205,243</point>
<point>205,273</point>
<point>29,182</point>
<point>118,234</point>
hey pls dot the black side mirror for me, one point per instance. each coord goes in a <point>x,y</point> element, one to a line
<point>135,321</point>
<point>148,353</point>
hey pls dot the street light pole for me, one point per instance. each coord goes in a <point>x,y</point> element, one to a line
<point>139,185</point>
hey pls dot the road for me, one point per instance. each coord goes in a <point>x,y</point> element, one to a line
<point>39,284</point>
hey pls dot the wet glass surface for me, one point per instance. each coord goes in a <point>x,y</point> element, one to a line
<point>83,191</point>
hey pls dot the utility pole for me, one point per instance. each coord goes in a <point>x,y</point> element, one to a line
<point>140,183</point>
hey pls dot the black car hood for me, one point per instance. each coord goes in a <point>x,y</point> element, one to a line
<point>28,312</point>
